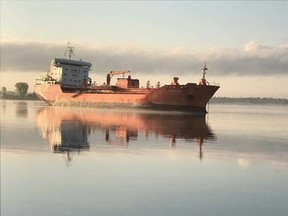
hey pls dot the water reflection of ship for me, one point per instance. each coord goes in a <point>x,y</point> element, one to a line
<point>74,138</point>
<point>65,135</point>
<point>68,130</point>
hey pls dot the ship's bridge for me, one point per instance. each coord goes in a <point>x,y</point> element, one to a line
<point>59,62</point>
<point>70,73</point>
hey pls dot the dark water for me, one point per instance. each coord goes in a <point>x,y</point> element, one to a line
<point>62,161</point>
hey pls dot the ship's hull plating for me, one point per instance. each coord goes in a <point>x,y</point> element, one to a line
<point>190,97</point>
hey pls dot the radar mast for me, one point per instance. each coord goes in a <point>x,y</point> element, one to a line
<point>69,52</point>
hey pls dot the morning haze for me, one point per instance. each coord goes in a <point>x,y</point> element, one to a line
<point>93,147</point>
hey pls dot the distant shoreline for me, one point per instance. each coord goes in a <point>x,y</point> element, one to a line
<point>248,100</point>
<point>29,96</point>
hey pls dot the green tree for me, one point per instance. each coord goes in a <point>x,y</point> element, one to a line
<point>21,88</point>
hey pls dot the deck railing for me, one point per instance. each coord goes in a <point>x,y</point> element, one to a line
<point>41,81</point>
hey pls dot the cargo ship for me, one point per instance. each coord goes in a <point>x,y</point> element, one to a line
<point>67,83</point>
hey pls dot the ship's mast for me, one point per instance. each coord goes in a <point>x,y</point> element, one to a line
<point>69,52</point>
<point>204,69</point>
<point>203,80</point>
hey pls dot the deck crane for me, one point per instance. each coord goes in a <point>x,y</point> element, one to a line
<point>112,73</point>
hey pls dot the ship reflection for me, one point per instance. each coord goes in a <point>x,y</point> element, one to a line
<point>68,130</point>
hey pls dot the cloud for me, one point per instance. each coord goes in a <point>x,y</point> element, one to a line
<point>253,59</point>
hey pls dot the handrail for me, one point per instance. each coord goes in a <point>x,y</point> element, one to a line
<point>41,81</point>
<point>213,83</point>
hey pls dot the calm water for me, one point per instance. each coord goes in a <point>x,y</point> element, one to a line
<point>62,161</point>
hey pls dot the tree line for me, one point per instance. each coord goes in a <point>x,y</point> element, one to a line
<point>249,100</point>
<point>21,92</point>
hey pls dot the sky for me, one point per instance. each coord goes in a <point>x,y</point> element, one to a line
<point>244,43</point>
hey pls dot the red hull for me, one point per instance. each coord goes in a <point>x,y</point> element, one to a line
<point>189,97</point>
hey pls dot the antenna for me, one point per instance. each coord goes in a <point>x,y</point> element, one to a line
<point>204,69</point>
<point>69,52</point>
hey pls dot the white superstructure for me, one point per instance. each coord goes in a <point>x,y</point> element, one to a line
<point>69,73</point>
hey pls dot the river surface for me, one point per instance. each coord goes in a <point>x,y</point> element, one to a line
<point>72,161</point>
